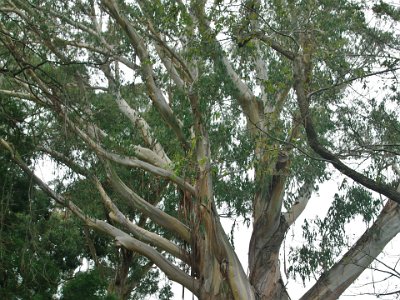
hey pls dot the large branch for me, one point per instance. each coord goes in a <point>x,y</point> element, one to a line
<point>251,107</point>
<point>315,144</point>
<point>247,100</point>
<point>131,162</point>
<point>121,237</point>
<point>139,232</point>
<point>155,214</point>
<point>335,281</point>
<point>154,91</point>
<point>300,203</point>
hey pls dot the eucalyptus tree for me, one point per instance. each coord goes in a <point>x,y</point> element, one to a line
<point>175,112</point>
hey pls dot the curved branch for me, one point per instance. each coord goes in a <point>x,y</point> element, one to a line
<point>155,214</point>
<point>312,137</point>
<point>140,233</point>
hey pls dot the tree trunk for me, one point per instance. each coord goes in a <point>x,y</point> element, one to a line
<point>120,286</point>
<point>265,275</point>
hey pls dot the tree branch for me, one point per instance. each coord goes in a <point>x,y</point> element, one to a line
<point>43,186</point>
<point>300,203</point>
<point>269,41</point>
<point>159,158</point>
<point>140,233</point>
<point>157,215</point>
<point>251,107</point>
<point>148,74</point>
<point>312,137</point>
<point>121,237</point>
<point>60,157</point>
<point>335,281</point>
<point>130,162</point>
<point>350,80</point>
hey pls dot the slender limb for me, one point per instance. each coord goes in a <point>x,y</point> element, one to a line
<point>270,42</point>
<point>246,98</point>
<point>70,163</point>
<point>157,215</point>
<point>159,157</point>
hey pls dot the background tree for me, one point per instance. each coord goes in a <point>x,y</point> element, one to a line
<point>168,113</point>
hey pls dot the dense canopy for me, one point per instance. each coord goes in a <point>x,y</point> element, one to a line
<point>166,116</point>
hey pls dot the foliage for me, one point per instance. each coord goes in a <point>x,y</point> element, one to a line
<point>87,285</point>
<point>166,115</point>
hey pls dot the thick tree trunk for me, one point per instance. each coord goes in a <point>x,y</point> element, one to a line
<point>265,274</point>
<point>214,260</point>
<point>269,228</point>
